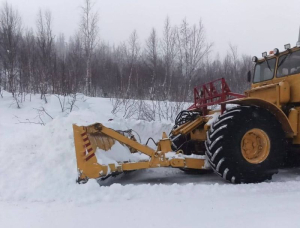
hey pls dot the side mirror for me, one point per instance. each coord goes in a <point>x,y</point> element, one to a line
<point>249,77</point>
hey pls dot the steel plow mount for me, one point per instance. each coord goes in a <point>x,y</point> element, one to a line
<point>89,138</point>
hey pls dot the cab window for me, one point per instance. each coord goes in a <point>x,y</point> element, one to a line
<point>289,64</point>
<point>264,71</point>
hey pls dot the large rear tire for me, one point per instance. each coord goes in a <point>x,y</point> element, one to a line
<point>246,145</point>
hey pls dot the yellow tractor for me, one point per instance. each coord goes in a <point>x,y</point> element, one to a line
<point>244,140</point>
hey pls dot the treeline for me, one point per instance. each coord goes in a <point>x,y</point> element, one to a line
<point>164,67</point>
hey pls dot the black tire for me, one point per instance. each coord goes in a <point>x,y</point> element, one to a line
<point>223,145</point>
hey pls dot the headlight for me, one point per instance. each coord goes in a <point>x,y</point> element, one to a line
<point>287,46</point>
<point>276,51</point>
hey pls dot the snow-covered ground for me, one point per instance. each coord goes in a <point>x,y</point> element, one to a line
<point>38,172</point>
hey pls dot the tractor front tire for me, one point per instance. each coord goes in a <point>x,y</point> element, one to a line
<point>246,145</point>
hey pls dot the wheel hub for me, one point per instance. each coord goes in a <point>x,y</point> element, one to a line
<point>255,146</point>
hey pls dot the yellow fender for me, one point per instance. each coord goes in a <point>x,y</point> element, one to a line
<point>277,112</point>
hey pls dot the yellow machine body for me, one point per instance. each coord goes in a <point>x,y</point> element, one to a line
<point>279,95</point>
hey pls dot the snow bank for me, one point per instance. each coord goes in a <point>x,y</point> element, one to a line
<point>38,164</point>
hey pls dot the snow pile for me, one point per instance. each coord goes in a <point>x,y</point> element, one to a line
<point>38,163</point>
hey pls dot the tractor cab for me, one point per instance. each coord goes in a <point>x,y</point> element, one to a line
<point>276,77</point>
<point>277,66</point>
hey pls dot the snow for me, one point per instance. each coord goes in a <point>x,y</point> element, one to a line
<point>118,153</point>
<point>213,118</point>
<point>38,172</point>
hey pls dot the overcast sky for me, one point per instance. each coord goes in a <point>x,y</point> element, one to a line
<point>254,26</point>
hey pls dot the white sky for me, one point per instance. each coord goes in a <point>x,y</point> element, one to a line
<point>254,26</point>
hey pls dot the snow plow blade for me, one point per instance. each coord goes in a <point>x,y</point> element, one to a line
<point>88,138</point>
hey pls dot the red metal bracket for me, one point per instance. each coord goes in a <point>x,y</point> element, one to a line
<point>213,93</point>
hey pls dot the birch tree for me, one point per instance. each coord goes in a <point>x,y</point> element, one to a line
<point>89,30</point>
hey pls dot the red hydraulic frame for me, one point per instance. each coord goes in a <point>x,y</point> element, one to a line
<point>213,93</point>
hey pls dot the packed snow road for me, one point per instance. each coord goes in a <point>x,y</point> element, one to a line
<point>194,201</point>
<point>38,172</point>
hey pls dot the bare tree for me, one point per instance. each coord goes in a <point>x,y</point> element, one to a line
<point>119,55</point>
<point>45,43</point>
<point>89,30</point>
<point>192,48</point>
<point>61,46</point>
<point>28,63</point>
<point>10,30</point>
<point>169,51</point>
<point>164,69</point>
<point>132,54</point>
<point>76,66</point>
<point>152,60</point>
